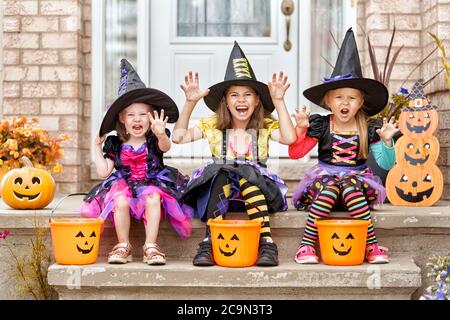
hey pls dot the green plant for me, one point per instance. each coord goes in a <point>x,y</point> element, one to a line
<point>440,270</point>
<point>399,100</point>
<point>30,270</point>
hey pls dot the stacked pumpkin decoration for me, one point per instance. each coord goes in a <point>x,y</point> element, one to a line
<point>27,187</point>
<point>415,180</point>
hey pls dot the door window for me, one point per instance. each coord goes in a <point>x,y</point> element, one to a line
<point>223,18</point>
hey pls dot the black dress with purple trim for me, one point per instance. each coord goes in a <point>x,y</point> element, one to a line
<point>338,161</point>
<point>138,174</point>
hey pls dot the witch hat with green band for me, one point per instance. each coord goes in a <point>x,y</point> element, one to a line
<point>131,90</point>
<point>239,72</point>
<point>347,74</point>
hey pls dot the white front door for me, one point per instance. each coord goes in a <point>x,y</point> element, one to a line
<point>198,35</point>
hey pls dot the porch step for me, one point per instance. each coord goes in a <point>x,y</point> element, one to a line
<point>181,280</point>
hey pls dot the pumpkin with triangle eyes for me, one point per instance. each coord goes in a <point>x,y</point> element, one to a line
<point>413,185</point>
<point>418,121</point>
<point>416,151</point>
<point>85,244</point>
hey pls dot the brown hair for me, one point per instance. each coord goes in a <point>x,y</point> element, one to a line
<point>256,120</point>
<point>122,133</point>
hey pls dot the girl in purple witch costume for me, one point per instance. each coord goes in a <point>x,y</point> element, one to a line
<point>238,136</point>
<point>141,185</point>
<point>344,138</point>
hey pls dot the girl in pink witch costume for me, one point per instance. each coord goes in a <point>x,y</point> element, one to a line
<point>141,186</point>
<point>344,139</point>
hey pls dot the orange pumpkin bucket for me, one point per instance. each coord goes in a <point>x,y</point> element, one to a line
<point>75,240</point>
<point>342,241</point>
<point>235,242</point>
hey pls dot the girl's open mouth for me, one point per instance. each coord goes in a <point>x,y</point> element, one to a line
<point>137,127</point>
<point>242,110</point>
<point>345,111</point>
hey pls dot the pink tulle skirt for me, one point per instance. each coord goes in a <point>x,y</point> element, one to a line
<point>179,216</point>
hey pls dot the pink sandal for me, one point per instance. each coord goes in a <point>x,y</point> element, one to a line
<point>376,254</point>
<point>121,253</point>
<point>306,255</point>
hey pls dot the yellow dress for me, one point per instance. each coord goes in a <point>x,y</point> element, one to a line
<point>251,167</point>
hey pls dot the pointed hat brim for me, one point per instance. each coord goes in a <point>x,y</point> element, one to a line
<point>376,94</point>
<point>217,92</point>
<point>153,97</point>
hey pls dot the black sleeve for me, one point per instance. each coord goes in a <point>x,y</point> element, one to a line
<point>152,140</point>
<point>373,125</point>
<point>317,125</point>
<point>111,147</point>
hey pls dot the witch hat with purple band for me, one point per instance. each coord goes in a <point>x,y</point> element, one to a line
<point>347,74</point>
<point>239,72</point>
<point>131,90</point>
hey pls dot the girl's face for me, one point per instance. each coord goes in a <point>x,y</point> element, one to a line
<point>241,101</point>
<point>136,118</point>
<point>344,103</point>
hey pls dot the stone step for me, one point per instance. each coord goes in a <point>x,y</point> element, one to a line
<point>178,279</point>
<point>416,232</point>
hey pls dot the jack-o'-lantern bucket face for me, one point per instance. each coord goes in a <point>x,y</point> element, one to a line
<point>418,121</point>
<point>417,151</point>
<point>235,242</point>
<point>414,186</point>
<point>76,241</point>
<point>342,241</point>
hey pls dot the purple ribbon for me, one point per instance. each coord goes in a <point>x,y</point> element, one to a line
<point>337,78</point>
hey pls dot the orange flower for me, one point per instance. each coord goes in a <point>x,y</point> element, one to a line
<point>22,137</point>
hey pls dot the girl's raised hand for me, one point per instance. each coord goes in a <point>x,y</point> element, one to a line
<point>301,117</point>
<point>278,86</point>
<point>387,131</point>
<point>192,89</point>
<point>158,123</point>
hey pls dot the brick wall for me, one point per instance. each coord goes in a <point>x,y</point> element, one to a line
<point>413,19</point>
<point>46,72</point>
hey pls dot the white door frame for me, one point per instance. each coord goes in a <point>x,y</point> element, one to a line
<point>144,51</point>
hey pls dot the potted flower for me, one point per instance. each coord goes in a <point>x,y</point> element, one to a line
<point>21,137</point>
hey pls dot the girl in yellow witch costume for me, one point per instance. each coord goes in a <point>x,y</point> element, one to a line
<point>238,136</point>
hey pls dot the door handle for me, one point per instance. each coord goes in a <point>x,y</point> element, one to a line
<point>287,8</point>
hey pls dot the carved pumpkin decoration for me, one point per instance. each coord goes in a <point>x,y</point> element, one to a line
<point>417,151</point>
<point>414,186</point>
<point>419,121</point>
<point>28,187</point>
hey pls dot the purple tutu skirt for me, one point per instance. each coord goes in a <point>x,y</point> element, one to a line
<point>306,190</point>
<point>179,216</point>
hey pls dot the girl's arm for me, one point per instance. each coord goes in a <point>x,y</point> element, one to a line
<point>383,151</point>
<point>104,166</point>
<point>181,132</point>
<point>277,89</point>
<point>304,143</point>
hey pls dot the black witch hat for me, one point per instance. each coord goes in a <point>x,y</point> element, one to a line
<point>239,72</point>
<point>131,90</point>
<point>347,74</point>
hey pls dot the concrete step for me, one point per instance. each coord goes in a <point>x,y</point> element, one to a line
<point>414,232</point>
<point>180,280</point>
